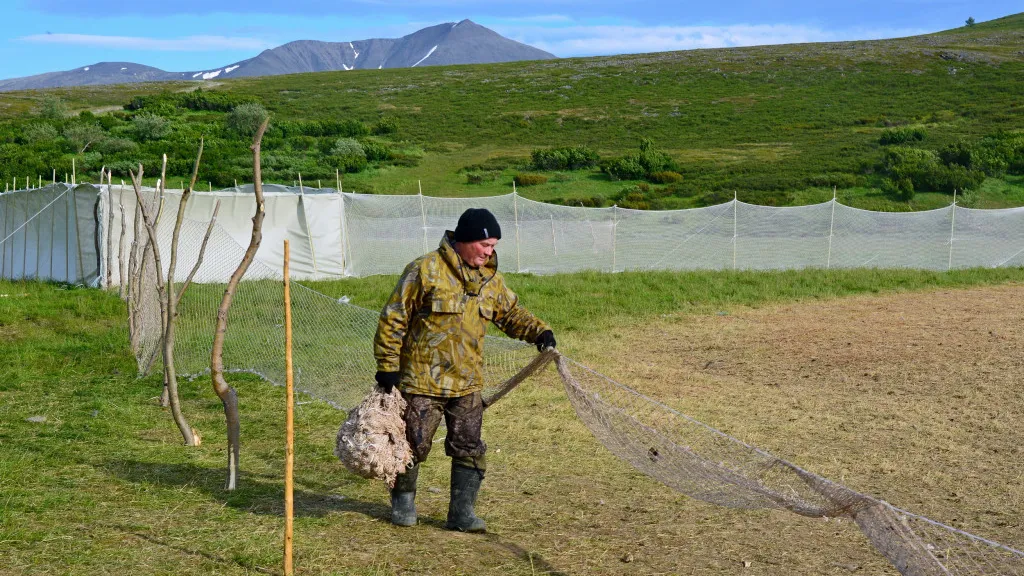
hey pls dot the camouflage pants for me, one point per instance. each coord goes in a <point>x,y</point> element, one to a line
<point>463,417</point>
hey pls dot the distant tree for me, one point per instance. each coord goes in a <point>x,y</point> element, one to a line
<point>245,119</point>
<point>53,108</point>
<point>82,135</point>
<point>148,126</point>
<point>970,21</point>
<point>41,132</point>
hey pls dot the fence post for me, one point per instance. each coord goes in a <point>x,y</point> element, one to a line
<point>735,204</point>
<point>423,216</point>
<point>615,228</point>
<point>831,228</point>
<point>952,228</point>
<point>554,244</point>
<point>24,244</point>
<point>515,213</point>
<point>5,203</point>
<point>108,275</point>
<point>346,247</point>
<point>305,220</point>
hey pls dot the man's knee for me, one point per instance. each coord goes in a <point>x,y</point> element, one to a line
<point>478,463</point>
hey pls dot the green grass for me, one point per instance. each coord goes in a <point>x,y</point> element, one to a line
<point>594,302</point>
<point>765,121</point>
<point>105,486</point>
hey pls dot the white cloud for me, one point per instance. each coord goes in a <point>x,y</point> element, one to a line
<point>183,44</point>
<point>584,40</point>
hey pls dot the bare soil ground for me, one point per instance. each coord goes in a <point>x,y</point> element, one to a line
<point>917,399</point>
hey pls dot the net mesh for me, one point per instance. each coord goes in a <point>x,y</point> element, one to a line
<point>709,465</point>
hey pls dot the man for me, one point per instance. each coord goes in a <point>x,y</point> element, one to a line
<point>429,343</point>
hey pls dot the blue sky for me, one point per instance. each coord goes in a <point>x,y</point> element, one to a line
<point>179,35</point>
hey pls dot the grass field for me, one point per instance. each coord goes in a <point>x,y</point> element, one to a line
<point>904,385</point>
<point>776,124</point>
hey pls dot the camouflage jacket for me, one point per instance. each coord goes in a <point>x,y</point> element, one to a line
<point>432,328</point>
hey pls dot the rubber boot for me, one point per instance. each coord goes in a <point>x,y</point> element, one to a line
<point>465,485</point>
<point>403,497</point>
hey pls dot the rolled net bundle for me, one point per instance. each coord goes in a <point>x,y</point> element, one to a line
<point>371,443</point>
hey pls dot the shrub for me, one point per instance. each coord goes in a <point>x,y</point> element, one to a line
<point>837,180</point>
<point>245,119</point>
<point>481,177</point>
<point>901,136</point>
<point>900,188</point>
<point>376,151</point>
<point>957,153</point>
<point>564,158</point>
<point>39,132</point>
<point>924,170</point>
<point>53,108</point>
<point>302,143</point>
<point>665,177</point>
<point>628,168</point>
<point>147,126</point>
<point>636,166</point>
<point>529,179</point>
<point>386,125</point>
<point>320,128</point>
<point>347,147</point>
<point>80,136</point>
<point>348,155</point>
<point>116,145</point>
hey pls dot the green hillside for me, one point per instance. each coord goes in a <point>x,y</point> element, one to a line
<point>893,124</point>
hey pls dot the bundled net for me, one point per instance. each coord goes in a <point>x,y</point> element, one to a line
<point>371,443</point>
<point>140,294</point>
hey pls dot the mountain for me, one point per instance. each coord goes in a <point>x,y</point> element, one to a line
<point>464,42</point>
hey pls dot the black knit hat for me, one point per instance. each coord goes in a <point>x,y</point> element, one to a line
<point>477,224</point>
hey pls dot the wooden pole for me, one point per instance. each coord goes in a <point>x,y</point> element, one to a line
<point>289,459</point>
<point>952,229</point>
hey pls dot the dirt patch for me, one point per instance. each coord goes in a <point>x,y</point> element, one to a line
<point>917,399</point>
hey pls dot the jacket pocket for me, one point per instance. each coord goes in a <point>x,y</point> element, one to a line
<point>447,304</point>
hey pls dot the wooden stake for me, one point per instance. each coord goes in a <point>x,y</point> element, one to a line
<point>289,459</point>
<point>337,176</point>
<point>73,170</point>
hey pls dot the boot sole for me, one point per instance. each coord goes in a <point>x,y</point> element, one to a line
<point>481,530</point>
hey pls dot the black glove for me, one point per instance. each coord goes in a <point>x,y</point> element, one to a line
<point>545,340</point>
<point>387,380</point>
